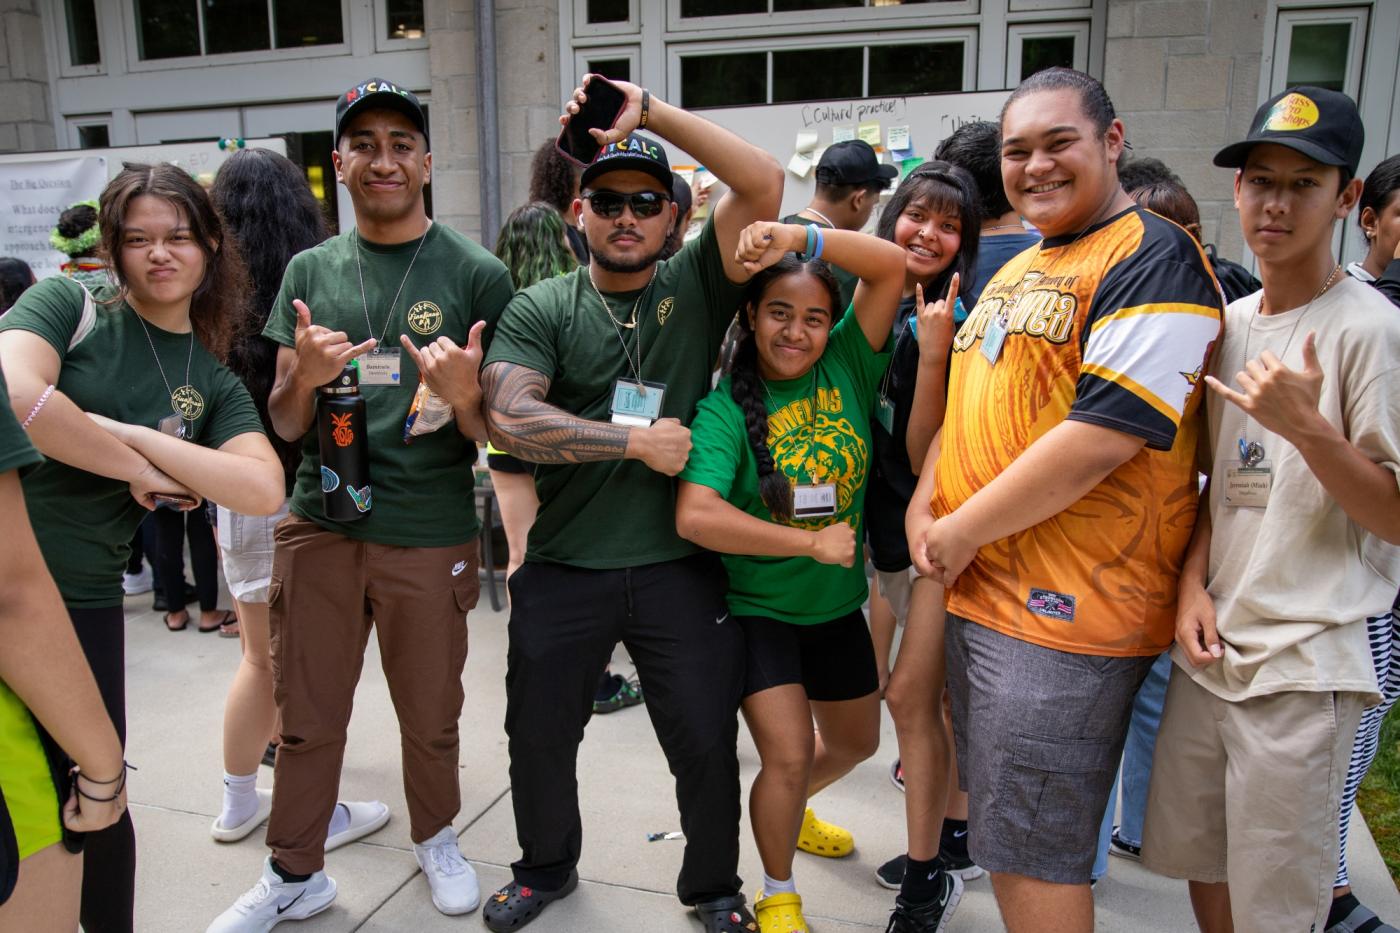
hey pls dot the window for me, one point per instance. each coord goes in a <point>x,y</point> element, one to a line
<point>183,28</point>
<point>617,69</point>
<point>608,11</point>
<point>1032,47</point>
<point>81,18</point>
<point>1321,48</point>
<point>405,19</point>
<point>734,78</point>
<point>94,136</point>
<point>693,9</point>
<point>606,17</point>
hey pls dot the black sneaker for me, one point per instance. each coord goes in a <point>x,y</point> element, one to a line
<point>930,917</point>
<point>1116,846</point>
<point>891,874</point>
<point>961,865</point>
<point>628,692</point>
<point>270,756</point>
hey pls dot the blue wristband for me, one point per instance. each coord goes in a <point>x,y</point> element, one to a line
<point>818,230</point>
<point>811,244</point>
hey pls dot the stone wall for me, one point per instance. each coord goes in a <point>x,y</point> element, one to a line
<point>527,59</point>
<point>26,122</point>
<point>1184,76</point>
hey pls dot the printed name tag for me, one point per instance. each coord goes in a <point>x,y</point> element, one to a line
<point>814,501</point>
<point>381,367</point>
<point>1248,487</point>
<point>884,413</point>
<point>995,337</point>
<point>636,404</point>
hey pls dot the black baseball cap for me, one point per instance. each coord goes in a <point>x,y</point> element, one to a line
<point>1321,124</point>
<point>378,94</point>
<point>636,152</point>
<point>853,162</point>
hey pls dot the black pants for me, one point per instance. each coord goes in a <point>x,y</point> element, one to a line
<point>689,654</point>
<point>109,855</point>
<point>143,546</point>
<point>172,527</point>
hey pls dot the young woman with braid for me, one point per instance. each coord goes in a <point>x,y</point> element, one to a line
<point>776,482</point>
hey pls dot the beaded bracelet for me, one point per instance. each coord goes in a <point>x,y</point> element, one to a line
<point>33,412</point>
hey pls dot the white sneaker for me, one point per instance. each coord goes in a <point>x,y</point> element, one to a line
<point>450,877</point>
<point>134,584</point>
<point>273,900</point>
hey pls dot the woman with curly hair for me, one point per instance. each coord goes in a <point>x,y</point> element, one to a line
<point>554,181</point>
<point>78,237</point>
<point>124,392</point>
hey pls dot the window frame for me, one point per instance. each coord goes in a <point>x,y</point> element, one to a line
<point>137,64</point>
<point>584,29</point>
<point>676,51</point>
<point>66,69</point>
<point>631,52</point>
<point>76,123</point>
<point>1016,33</point>
<point>1024,6</point>
<point>1356,15</point>
<point>870,17</point>
<point>383,42</point>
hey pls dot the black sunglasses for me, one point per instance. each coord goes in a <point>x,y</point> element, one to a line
<point>608,204</point>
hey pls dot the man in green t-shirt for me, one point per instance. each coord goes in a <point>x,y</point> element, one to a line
<point>593,376</point>
<point>408,301</point>
<point>850,178</point>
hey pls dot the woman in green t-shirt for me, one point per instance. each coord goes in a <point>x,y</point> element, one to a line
<point>113,387</point>
<point>775,482</point>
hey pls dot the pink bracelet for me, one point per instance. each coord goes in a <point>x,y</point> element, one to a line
<point>37,405</point>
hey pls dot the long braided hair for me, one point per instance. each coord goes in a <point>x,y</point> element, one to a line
<point>746,382</point>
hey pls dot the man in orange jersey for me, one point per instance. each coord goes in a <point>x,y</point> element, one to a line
<point>1064,495</point>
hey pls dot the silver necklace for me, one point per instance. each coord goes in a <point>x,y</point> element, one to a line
<point>1252,452</point>
<point>185,401</point>
<point>364,302</point>
<point>618,325</point>
<point>824,219</point>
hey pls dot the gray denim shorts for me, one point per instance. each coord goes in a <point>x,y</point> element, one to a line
<point>1039,734</point>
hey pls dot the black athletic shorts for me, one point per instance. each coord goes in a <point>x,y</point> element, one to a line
<point>831,660</point>
<point>505,463</point>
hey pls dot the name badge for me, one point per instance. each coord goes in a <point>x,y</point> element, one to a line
<point>814,501</point>
<point>173,425</point>
<point>636,404</point>
<point>884,413</point>
<point>381,367</point>
<point>995,337</point>
<point>1248,487</point>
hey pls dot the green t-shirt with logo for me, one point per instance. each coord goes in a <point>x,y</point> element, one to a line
<point>422,492</point>
<point>16,453</point>
<point>846,280</point>
<point>837,449</point>
<point>85,522</point>
<point>618,513</point>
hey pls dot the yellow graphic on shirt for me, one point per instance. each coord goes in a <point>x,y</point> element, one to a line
<point>829,451</point>
<point>1293,112</point>
<point>1038,306</point>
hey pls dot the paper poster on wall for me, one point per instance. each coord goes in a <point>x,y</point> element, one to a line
<point>36,193</point>
<point>843,134</point>
<point>870,133</point>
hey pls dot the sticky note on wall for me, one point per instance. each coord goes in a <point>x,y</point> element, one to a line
<point>841,134</point>
<point>869,132</point>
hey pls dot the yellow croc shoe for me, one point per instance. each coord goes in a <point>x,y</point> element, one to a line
<point>780,913</point>
<point>825,839</point>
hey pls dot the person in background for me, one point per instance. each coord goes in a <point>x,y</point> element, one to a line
<point>45,684</point>
<point>1294,548</point>
<point>976,147</point>
<point>776,483</point>
<point>78,237</point>
<point>1379,218</point>
<point>849,181</point>
<point>683,198</point>
<point>125,396</point>
<point>554,180</point>
<point>15,279</point>
<point>1143,173</point>
<point>272,215</point>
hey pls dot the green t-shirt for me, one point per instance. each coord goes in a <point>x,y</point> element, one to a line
<point>846,280</point>
<point>617,513</point>
<point>84,522</point>
<point>423,492</point>
<point>16,453</point>
<point>796,589</point>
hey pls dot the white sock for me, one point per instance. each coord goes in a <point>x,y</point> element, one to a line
<point>773,886</point>
<point>240,799</point>
<point>340,820</point>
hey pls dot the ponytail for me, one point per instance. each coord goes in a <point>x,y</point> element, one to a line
<point>746,388</point>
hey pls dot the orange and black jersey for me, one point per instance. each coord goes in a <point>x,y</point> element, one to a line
<point>1111,328</point>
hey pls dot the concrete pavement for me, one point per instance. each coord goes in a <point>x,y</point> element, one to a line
<point>175,694</point>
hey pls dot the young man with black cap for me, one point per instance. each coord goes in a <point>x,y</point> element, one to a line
<point>850,177</point>
<point>1293,548</point>
<point>408,301</point>
<point>593,376</point>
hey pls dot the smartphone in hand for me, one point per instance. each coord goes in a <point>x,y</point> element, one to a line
<point>174,501</point>
<point>600,112</point>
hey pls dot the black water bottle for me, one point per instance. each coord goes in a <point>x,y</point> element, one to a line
<point>340,428</point>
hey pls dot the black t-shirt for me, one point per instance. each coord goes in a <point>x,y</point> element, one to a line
<point>892,480</point>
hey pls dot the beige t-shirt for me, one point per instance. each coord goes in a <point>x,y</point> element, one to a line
<point>1294,582</point>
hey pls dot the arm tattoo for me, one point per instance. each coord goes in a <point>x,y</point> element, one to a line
<point>520,422</point>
